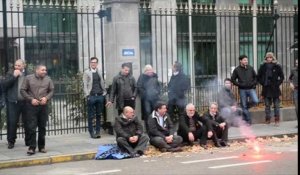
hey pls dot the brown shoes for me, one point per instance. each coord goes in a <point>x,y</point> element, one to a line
<point>42,150</point>
<point>30,151</point>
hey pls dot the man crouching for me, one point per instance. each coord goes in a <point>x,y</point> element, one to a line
<point>129,132</point>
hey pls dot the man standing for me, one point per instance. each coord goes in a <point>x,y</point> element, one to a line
<point>193,127</point>
<point>270,76</point>
<point>161,130</point>
<point>149,91</point>
<point>177,87</point>
<point>37,89</point>
<point>123,89</point>
<point>294,85</point>
<point>244,76</point>
<point>228,106</point>
<point>15,102</point>
<point>220,126</point>
<point>95,92</point>
<point>130,135</point>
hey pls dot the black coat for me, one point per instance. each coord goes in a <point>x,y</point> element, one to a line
<point>272,90</point>
<point>155,130</point>
<point>199,121</point>
<point>10,86</point>
<point>117,89</point>
<point>244,78</point>
<point>128,128</point>
<point>148,87</point>
<point>177,86</point>
<point>214,121</point>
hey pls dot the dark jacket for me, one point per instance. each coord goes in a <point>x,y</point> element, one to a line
<point>155,130</point>
<point>177,86</point>
<point>2,98</point>
<point>244,78</point>
<point>294,77</point>
<point>128,128</point>
<point>10,85</point>
<point>148,87</point>
<point>199,121</point>
<point>214,121</point>
<point>276,79</point>
<point>226,98</point>
<point>117,90</point>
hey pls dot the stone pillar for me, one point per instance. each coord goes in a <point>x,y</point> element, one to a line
<point>227,37</point>
<point>121,42</point>
<point>164,39</point>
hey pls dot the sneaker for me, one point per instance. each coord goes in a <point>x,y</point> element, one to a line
<point>42,150</point>
<point>97,135</point>
<point>11,145</point>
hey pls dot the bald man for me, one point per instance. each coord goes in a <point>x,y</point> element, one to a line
<point>129,133</point>
<point>15,101</point>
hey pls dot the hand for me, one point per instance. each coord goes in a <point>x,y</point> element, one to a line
<point>35,102</point>
<point>233,108</point>
<point>133,139</point>
<point>292,86</point>
<point>43,101</point>
<point>132,98</point>
<point>210,134</point>
<point>169,139</point>
<point>17,73</point>
<point>108,104</point>
<point>222,125</point>
<point>191,137</point>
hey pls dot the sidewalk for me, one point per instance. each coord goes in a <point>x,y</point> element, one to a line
<point>72,147</point>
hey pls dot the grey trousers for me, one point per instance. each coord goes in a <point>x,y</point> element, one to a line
<point>160,142</point>
<point>133,148</point>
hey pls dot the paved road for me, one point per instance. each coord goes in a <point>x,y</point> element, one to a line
<point>273,159</point>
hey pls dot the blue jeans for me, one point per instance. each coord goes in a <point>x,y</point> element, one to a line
<point>95,106</point>
<point>244,95</point>
<point>268,103</point>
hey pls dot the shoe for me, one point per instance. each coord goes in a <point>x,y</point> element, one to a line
<point>163,150</point>
<point>217,144</point>
<point>277,119</point>
<point>176,149</point>
<point>30,151</point>
<point>224,144</point>
<point>268,121</point>
<point>97,135</point>
<point>11,145</point>
<point>140,152</point>
<point>204,146</point>
<point>93,136</point>
<point>135,155</point>
<point>42,150</point>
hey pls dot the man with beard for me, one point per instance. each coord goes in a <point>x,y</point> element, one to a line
<point>37,89</point>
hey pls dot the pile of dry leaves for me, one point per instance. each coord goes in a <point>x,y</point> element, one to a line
<point>235,145</point>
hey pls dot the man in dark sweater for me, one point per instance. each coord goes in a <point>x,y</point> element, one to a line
<point>270,76</point>
<point>123,89</point>
<point>95,92</point>
<point>244,76</point>
<point>129,132</point>
<point>15,102</point>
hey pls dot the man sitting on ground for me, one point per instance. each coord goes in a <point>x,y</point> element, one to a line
<point>129,132</point>
<point>220,126</point>
<point>161,130</point>
<point>193,127</point>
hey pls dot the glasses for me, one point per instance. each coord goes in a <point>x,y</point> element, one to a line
<point>93,62</point>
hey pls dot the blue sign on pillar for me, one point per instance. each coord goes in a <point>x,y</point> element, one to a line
<point>128,52</point>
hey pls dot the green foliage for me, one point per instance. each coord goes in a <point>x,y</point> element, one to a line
<point>75,100</point>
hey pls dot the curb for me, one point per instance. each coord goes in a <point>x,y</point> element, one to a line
<point>47,160</point>
<point>86,156</point>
